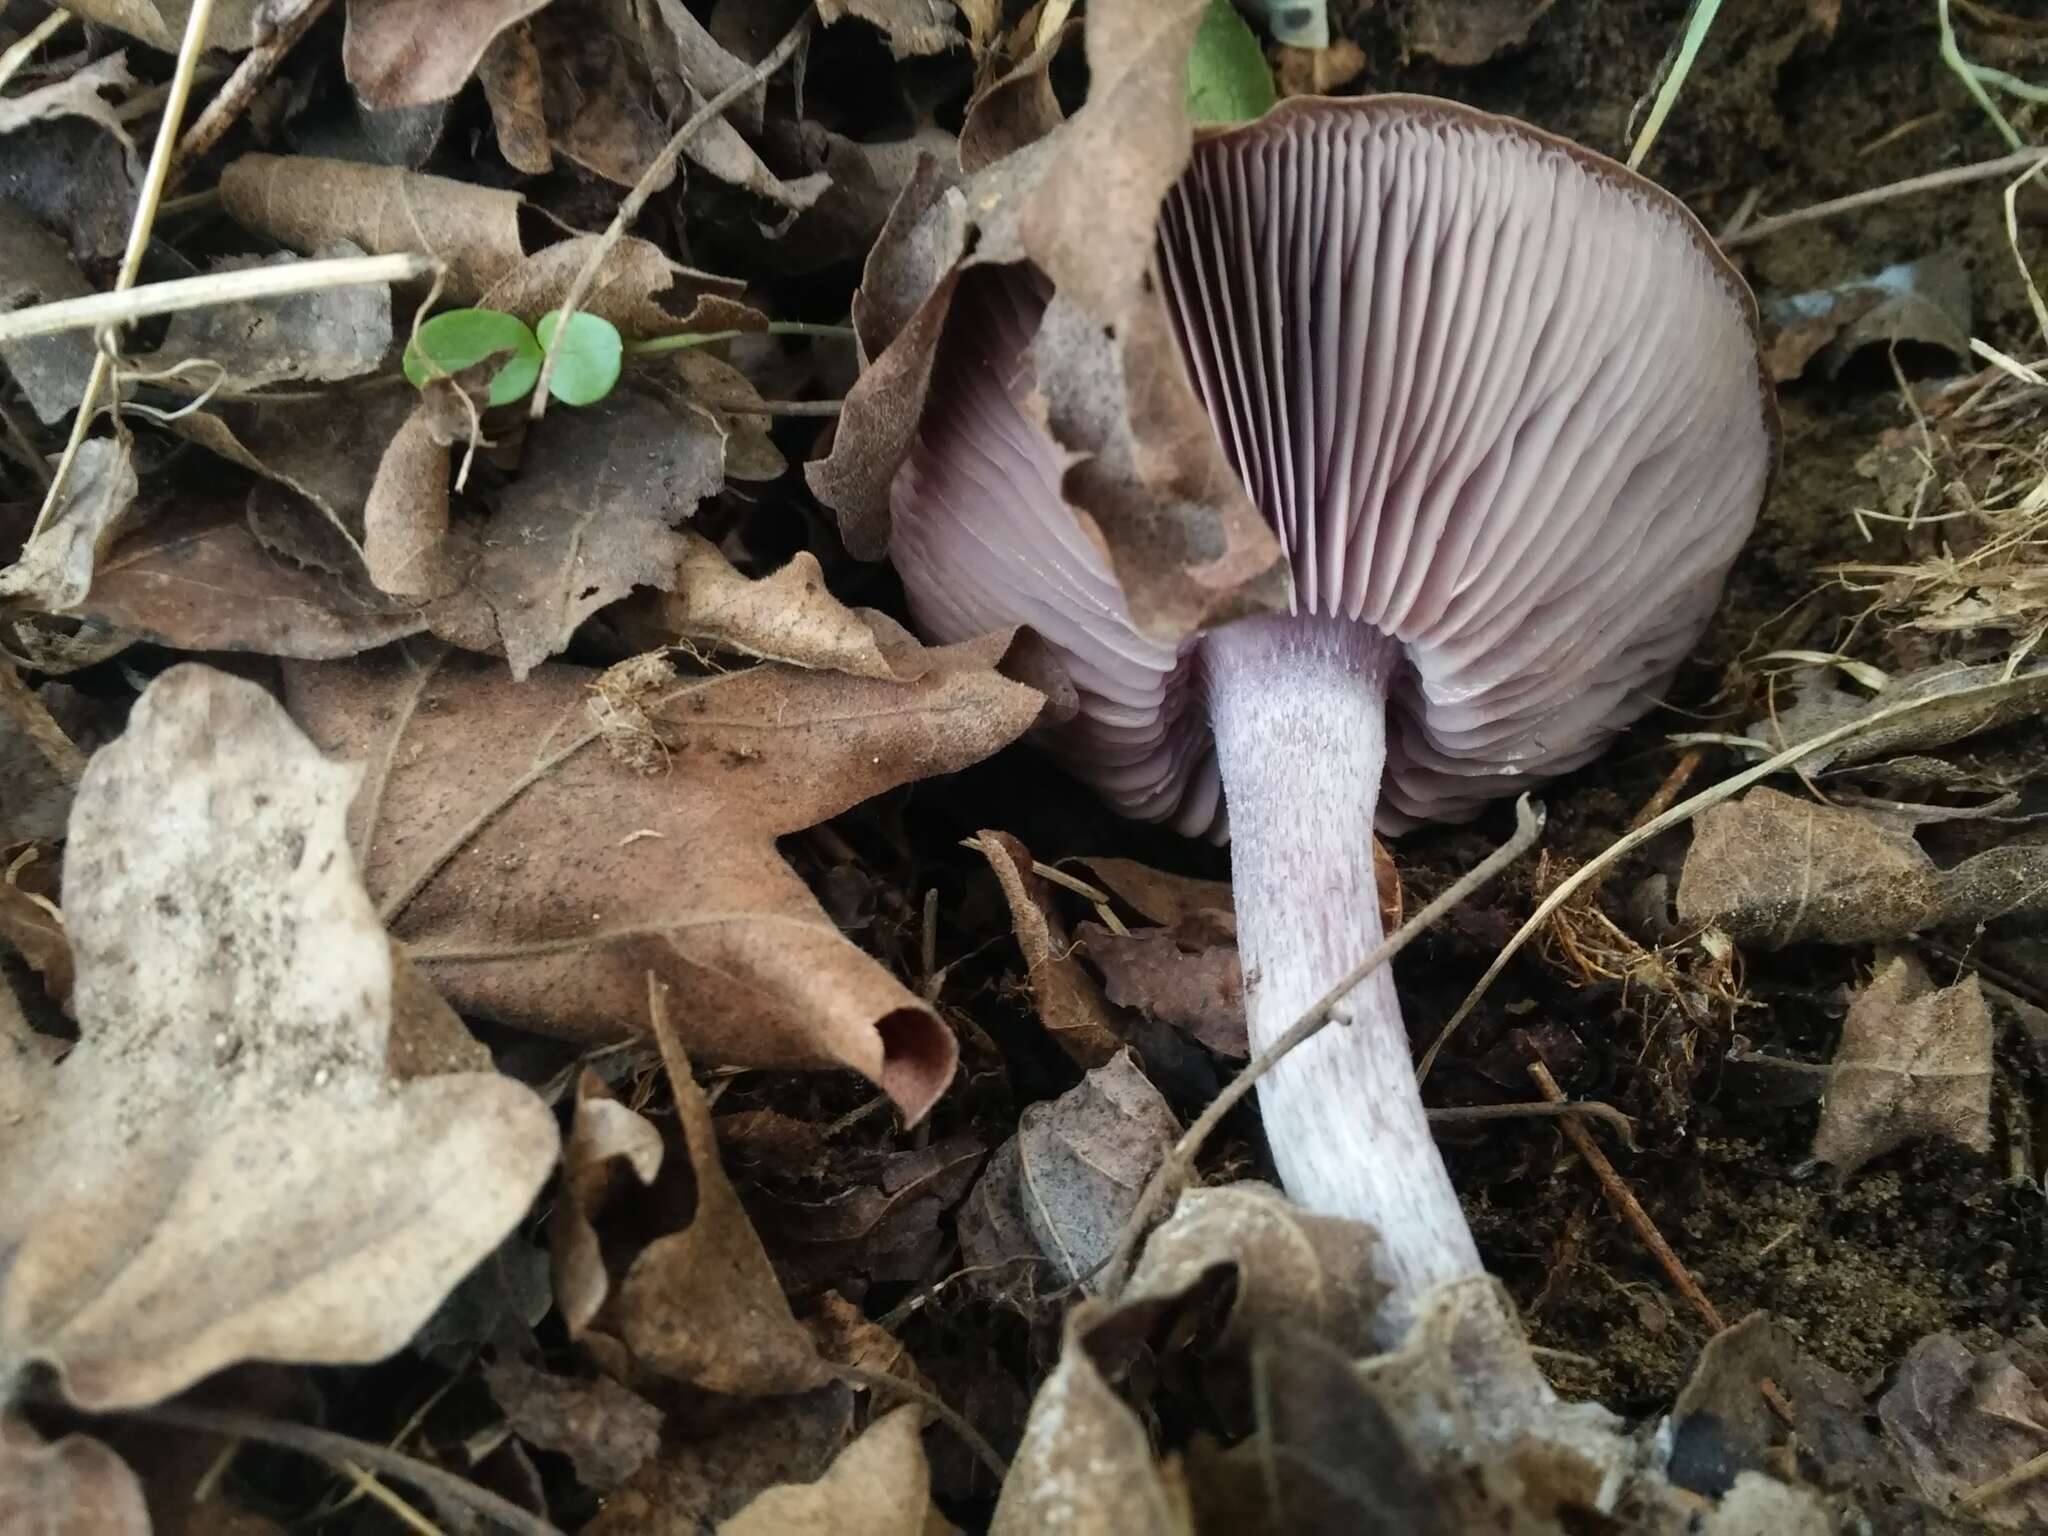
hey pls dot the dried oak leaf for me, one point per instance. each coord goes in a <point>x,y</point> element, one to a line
<point>878,1486</point>
<point>636,288</point>
<point>1085,1463</point>
<point>1776,869</point>
<point>703,1305</point>
<point>604,1429</point>
<point>75,1486</point>
<point>1914,1060</point>
<point>55,570</point>
<point>1959,1419</point>
<point>1070,1005</point>
<point>711,1471</point>
<point>1144,473</point>
<point>406,53</point>
<point>536,877</point>
<point>222,1168</point>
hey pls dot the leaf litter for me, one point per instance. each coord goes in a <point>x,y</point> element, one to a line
<point>628,746</point>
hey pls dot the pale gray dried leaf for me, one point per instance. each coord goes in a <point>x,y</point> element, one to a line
<point>1084,1158</point>
<point>1762,1506</point>
<point>607,1139</point>
<point>75,1486</point>
<point>1775,869</point>
<point>36,798</point>
<point>604,1429</point>
<point>1958,1420</point>
<point>1914,1060</point>
<point>1070,1005</point>
<point>1822,707</point>
<point>1294,1268</point>
<point>36,268</point>
<point>55,570</point>
<point>878,1486</point>
<point>407,53</point>
<point>1195,987</point>
<point>161,23</point>
<point>1085,1463</point>
<point>77,94</point>
<point>591,516</point>
<point>322,336</point>
<point>222,1169</point>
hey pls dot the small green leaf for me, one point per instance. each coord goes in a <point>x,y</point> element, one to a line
<point>588,365</point>
<point>1228,81</point>
<point>457,339</point>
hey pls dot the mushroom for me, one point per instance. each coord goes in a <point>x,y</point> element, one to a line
<point>1501,401</point>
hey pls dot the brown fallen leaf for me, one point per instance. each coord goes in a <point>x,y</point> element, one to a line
<point>55,570</point>
<point>607,1140</point>
<point>637,288</point>
<point>75,1486</point>
<point>886,1223</point>
<point>1914,1060</point>
<point>1156,895</point>
<point>30,920</point>
<point>406,53</point>
<point>405,514</point>
<point>912,27</point>
<point>233,997</point>
<point>1189,976</point>
<point>306,203</point>
<point>703,1305</point>
<point>1317,71</point>
<point>788,616</point>
<point>322,447</point>
<point>845,1336</point>
<point>324,336</point>
<point>1776,869</point>
<point>1467,33</point>
<point>755,1445</point>
<point>537,877</point>
<point>510,74</point>
<point>1070,1005</point>
<point>878,1486</point>
<point>1293,1268</point>
<point>1959,1419</point>
<point>1145,475</point>
<point>600,111</point>
<point>1085,1463</point>
<point>211,585</point>
<point>591,516</point>
<point>161,23</point>
<point>605,1430</point>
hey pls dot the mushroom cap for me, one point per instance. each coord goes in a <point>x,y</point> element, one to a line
<point>1500,399</point>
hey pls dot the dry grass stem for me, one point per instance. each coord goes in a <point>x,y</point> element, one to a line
<point>251,285</point>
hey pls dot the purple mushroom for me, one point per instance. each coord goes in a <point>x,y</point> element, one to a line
<point>1501,400</point>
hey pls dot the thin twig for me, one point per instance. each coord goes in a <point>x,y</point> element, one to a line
<point>367,1484</point>
<point>2026,1472</point>
<point>1630,1210</point>
<point>338,1450</point>
<point>182,293</point>
<point>657,174</point>
<point>197,20</point>
<point>1180,1161</point>
<point>1590,1108</point>
<point>759,407</point>
<point>1912,186</point>
<point>19,703</point>
<point>1683,812</point>
<point>232,99</point>
<point>882,1381</point>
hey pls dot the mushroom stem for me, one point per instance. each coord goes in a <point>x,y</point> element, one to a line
<point>1298,705</point>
